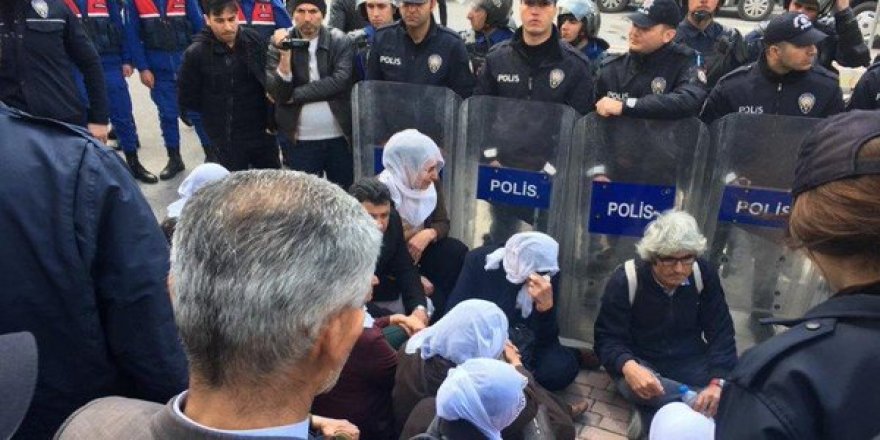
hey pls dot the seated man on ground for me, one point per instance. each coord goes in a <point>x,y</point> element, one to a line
<point>522,279</point>
<point>664,321</point>
<point>270,272</point>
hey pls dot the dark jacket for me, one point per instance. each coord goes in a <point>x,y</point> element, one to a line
<point>343,15</point>
<point>818,380</point>
<point>665,330</point>
<point>39,55</point>
<point>563,75</point>
<point>866,94</point>
<point>479,43</point>
<point>105,32</point>
<point>757,89</point>
<point>398,275</point>
<point>158,41</point>
<point>719,48</point>
<point>83,267</point>
<point>665,84</point>
<point>844,43</point>
<point>226,85</point>
<point>441,59</point>
<point>438,429</point>
<point>334,66</point>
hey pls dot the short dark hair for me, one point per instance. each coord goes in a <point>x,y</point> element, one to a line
<point>217,7</point>
<point>370,190</point>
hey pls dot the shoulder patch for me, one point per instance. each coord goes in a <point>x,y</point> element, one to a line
<point>569,50</point>
<point>741,70</point>
<point>446,30</point>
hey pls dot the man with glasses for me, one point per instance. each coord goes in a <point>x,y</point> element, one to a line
<point>664,321</point>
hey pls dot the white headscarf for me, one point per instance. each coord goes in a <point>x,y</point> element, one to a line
<point>524,254</point>
<point>486,392</point>
<point>405,157</point>
<point>199,177</point>
<point>472,329</point>
<point>677,421</point>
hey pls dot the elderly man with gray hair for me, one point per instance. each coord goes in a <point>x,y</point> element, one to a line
<point>664,323</point>
<point>270,272</point>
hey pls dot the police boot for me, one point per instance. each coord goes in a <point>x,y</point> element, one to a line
<point>175,165</point>
<point>138,170</point>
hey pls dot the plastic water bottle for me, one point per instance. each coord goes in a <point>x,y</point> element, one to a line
<point>688,396</point>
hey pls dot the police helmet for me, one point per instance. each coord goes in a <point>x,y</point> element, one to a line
<point>498,12</point>
<point>361,6</point>
<point>584,11</point>
<point>822,6</point>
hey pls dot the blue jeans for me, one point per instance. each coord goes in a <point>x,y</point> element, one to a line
<point>330,157</point>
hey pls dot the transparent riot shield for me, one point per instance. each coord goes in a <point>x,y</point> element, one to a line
<point>382,108</point>
<point>630,170</point>
<point>513,156</point>
<point>749,184</point>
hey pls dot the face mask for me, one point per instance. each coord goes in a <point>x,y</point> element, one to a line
<point>701,16</point>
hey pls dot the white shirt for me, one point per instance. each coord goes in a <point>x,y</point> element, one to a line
<point>316,120</point>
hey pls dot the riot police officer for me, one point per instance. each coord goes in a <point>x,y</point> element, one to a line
<point>866,95</point>
<point>536,64</point>
<point>657,79</point>
<point>719,48</point>
<point>102,21</point>
<point>490,25</point>
<point>263,16</point>
<point>579,22</point>
<point>784,81</point>
<point>378,13</point>
<point>160,31</point>
<point>417,50</point>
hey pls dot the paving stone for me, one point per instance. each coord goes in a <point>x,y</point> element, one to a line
<point>579,389</point>
<point>604,396</point>
<point>598,379</point>
<point>590,418</point>
<point>593,433</point>
<point>615,426</point>
<point>613,411</point>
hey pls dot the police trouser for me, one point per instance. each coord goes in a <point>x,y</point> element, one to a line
<point>119,101</point>
<point>164,94</point>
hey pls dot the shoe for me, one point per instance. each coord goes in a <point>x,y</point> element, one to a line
<point>186,120</point>
<point>174,167</point>
<point>137,170</point>
<point>587,359</point>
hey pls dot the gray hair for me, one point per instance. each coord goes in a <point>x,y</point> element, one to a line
<point>260,261</point>
<point>671,232</point>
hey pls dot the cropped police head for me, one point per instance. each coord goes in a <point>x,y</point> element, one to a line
<point>537,18</point>
<point>417,13</point>
<point>791,40</point>
<point>578,20</point>
<point>653,25</point>
<point>486,14</point>
<point>378,12</point>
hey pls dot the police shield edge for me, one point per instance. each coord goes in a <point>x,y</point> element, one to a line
<point>751,168</point>
<point>382,108</point>
<point>513,156</point>
<point>630,171</point>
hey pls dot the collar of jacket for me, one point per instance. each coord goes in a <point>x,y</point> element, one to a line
<point>861,303</point>
<point>774,77</point>
<point>519,45</point>
<point>686,29</point>
<point>640,60</point>
<point>432,30</point>
<point>323,37</point>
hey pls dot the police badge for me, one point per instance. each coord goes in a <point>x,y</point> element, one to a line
<point>806,102</point>
<point>658,85</point>
<point>434,63</point>
<point>41,7</point>
<point>556,78</point>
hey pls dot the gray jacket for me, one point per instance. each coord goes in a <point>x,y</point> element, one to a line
<point>334,66</point>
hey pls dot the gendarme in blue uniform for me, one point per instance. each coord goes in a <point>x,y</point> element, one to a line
<point>263,16</point>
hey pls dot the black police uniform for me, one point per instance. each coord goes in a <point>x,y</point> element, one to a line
<point>815,381</point>
<point>553,71</point>
<point>665,84</point>
<point>719,49</point>
<point>41,43</point>
<point>866,95</point>
<point>441,59</point>
<point>756,89</point>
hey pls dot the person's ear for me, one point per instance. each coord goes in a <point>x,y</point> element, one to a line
<point>669,34</point>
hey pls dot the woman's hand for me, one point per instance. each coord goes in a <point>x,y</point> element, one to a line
<point>418,242</point>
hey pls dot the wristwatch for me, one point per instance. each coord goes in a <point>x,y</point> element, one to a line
<point>719,382</point>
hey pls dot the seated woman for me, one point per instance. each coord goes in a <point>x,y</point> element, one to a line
<point>477,400</point>
<point>517,278</point>
<point>412,164</point>
<point>473,329</point>
<point>199,177</point>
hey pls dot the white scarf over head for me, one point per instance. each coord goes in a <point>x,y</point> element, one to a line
<point>405,157</point>
<point>472,329</point>
<point>524,254</point>
<point>199,177</point>
<point>488,393</point>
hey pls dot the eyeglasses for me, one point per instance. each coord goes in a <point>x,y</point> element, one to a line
<point>672,261</point>
<point>539,3</point>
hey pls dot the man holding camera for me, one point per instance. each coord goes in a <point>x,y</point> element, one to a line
<point>309,79</point>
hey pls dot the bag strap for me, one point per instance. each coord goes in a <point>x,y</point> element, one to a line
<point>632,279</point>
<point>698,278</point>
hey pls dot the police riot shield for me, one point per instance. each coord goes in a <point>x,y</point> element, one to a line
<point>749,182</point>
<point>382,108</point>
<point>630,170</point>
<point>513,156</point>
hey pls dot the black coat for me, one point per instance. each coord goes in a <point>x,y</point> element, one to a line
<point>756,89</point>
<point>664,84</point>
<point>719,48</point>
<point>866,94</point>
<point>398,275</point>
<point>564,76</point>
<point>818,380</point>
<point>226,85</point>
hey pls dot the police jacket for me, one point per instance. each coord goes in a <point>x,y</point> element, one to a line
<point>161,30</point>
<point>102,21</point>
<point>439,60</point>
<point>226,85</point>
<point>263,16</point>
<point>844,43</point>
<point>756,89</point>
<point>38,55</point>
<point>334,57</point>
<point>479,43</point>
<point>665,84</point>
<point>664,330</point>
<point>818,380</point>
<point>344,15</point>
<point>398,275</point>
<point>562,73</point>
<point>719,48</point>
<point>866,95</point>
<point>83,267</point>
